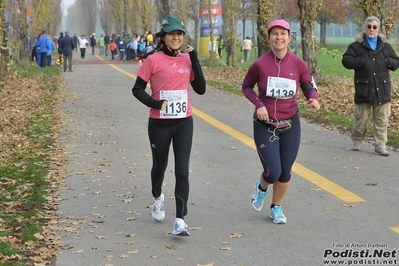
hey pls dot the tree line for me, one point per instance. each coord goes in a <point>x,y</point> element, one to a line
<point>137,16</point>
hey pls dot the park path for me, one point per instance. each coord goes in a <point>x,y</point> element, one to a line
<point>105,210</point>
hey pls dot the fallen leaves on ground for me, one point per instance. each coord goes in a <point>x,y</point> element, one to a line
<point>236,235</point>
<point>22,97</point>
<point>173,247</point>
<point>21,100</point>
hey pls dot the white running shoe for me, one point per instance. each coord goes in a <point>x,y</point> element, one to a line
<point>158,213</point>
<point>180,228</point>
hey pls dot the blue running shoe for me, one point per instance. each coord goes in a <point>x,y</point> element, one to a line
<point>180,228</point>
<point>277,215</point>
<point>257,197</point>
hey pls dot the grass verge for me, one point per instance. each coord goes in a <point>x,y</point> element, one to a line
<point>28,99</point>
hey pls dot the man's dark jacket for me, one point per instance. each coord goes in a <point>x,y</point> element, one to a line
<point>59,42</point>
<point>107,39</point>
<point>372,78</point>
<point>67,45</point>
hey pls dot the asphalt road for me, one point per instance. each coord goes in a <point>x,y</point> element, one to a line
<point>342,205</point>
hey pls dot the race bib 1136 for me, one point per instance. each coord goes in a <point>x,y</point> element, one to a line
<point>177,103</point>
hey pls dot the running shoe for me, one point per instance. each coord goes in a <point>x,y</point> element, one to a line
<point>158,213</point>
<point>382,151</point>
<point>277,215</point>
<point>180,228</point>
<point>257,197</point>
<point>356,146</point>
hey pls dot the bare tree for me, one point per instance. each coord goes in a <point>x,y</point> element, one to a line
<point>105,15</point>
<point>278,8</point>
<point>307,17</point>
<point>148,14</point>
<point>71,21</point>
<point>117,11</point>
<point>86,13</point>
<point>391,14</point>
<point>246,11</point>
<point>331,12</point>
<point>16,31</point>
<point>54,21</point>
<point>194,15</point>
<point>230,18</point>
<point>264,10</point>
<point>163,7</point>
<point>386,10</point>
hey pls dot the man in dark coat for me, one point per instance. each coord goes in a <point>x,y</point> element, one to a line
<point>107,41</point>
<point>93,42</point>
<point>59,47</point>
<point>371,57</point>
<point>67,46</point>
<point>76,40</point>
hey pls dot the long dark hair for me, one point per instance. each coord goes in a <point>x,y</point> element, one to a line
<point>160,42</point>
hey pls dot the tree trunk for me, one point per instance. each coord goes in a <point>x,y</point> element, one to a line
<point>164,8</point>
<point>323,29</point>
<point>307,15</point>
<point>264,14</point>
<point>243,28</point>
<point>2,39</point>
<point>212,38</point>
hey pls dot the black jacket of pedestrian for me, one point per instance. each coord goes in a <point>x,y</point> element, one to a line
<point>107,39</point>
<point>75,40</point>
<point>93,41</point>
<point>372,78</point>
<point>67,45</point>
<point>59,42</point>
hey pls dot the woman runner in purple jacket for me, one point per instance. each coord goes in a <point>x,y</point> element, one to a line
<point>278,74</point>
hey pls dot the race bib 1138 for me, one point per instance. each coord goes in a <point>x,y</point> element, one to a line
<point>280,87</point>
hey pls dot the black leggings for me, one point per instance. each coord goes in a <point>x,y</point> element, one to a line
<point>82,53</point>
<point>161,133</point>
<point>277,150</point>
